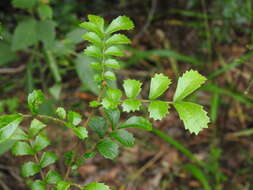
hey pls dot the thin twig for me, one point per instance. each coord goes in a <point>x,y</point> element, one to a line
<point>12,70</point>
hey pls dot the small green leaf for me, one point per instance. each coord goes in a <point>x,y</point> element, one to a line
<point>120,23</point>
<point>23,4</point>
<point>93,38</point>
<point>117,39</point>
<point>94,104</point>
<point>93,51</point>
<point>98,21</point>
<point>38,185</point>
<point>113,98</point>
<point>96,186</point>
<point>36,127</point>
<point>19,135</point>
<point>131,105</point>
<point>74,118</point>
<point>91,27</point>
<point>113,51</point>
<point>193,115</point>
<point>96,65</point>
<point>112,63</point>
<point>113,115</point>
<point>124,137</point>
<point>158,109</point>
<point>40,143</point>
<point>108,148</point>
<point>187,84</point>
<point>110,75</point>
<point>22,149</point>
<point>29,169</point>
<point>45,12</point>
<point>8,125</point>
<point>98,125</point>
<point>159,84</point>
<point>47,159</point>
<point>81,132</point>
<point>61,113</point>
<point>63,185</point>
<point>89,155</point>
<point>137,122</point>
<point>132,88</point>
<point>53,177</point>
<point>35,99</point>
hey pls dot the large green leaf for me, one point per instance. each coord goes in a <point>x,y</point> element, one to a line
<point>21,149</point>
<point>188,83</point>
<point>193,115</point>
<point>137,122</point>
<point>98,21</point>
<point>25,35</point>
<point>120,23</point>
<point>98,125</point>
<point>108,148</point>
<point>124,137</point>
<point>158,109</point>
<point>96,186</point>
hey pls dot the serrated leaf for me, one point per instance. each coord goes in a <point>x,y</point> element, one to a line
<point>193,115</point>
<point>113,98</point>
<point>131,105</point>
<point>110,75</point>
<point>81,132</point>
<point>47,159</point>
<point>35,99</point>
<point>117,39</point>
<point>46,31</point>
<point>120,23</point>
<point>93,38</point>
<point>124,137</point>
<point>63,185</point>
<point>91,27</point>
<point>93,51</point>
<point>53,177</point>
<point>36,127</point>
<point>188,83</point>
<point>113,51</point>
<point>8,126</point>
<point>61,112</point>
<point>45,12</point>
<point>23,4</point>
<point>98,21</point>
<point>98,125</point>
<point>158,109</point>
<point>74,118</point>
<point>113,115</point>
<point>112,63</point>
<point>25,35</point>
<point>38,185</point>
<point>29,169</point>
<point>96,186</point>
<point>137,122</point>
<point>21,149</point>
<point>40,143</point>
<point>132,88</point>
<point>159,84</point>
<point>108,149</point>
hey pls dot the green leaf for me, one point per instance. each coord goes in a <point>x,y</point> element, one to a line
<point>188,83</point>
<point>131,105</point>
<point>93,38</point>
<point>22,149</point>
<point>98,125</point>
<point>8,125</point>
<point>47,159</point>
<point>38,185</point>
<point>23,4</point>
<point>19,135</point>
<point>52,177</point>
<point>132,88</point>
<point>193,115</point>
<point>124,137</point>
<point>159,84</point>
<point>158,109</point>
<point>110,75</point>
<point>117,39</point>
<point>74,118</point>
<point>93,51</point>
<point>61,113</point>
<point>46,31</point>
<point>98,21</point>
<point>96,65</point>
<point>40,143</point>
<point>63,185</point>
<point>91,27</point>
<point>35,99</point>
<point>137,122</point>
<point>96,186</point>
<point>108,148</point>
<point>29,169</point>
<point>113,115</point>
<point>36,127</point>
<point>113,98</point>
<point>89,155</point>
<point>45,12</point>
<point>112,63</point>
<point>94,104</point>
<point>120,23</point>
<point>81,132</point>
<point>113,51</point>
<point>25,35</point>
